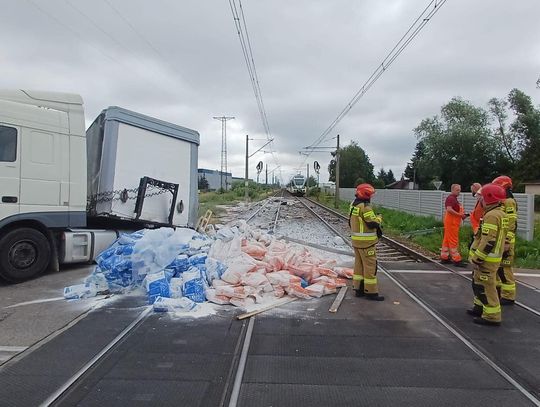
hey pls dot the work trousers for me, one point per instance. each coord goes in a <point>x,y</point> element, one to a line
<point>450,243</point>
<point>506,281</point>
<point>485,291</point>
<point>365,270</point>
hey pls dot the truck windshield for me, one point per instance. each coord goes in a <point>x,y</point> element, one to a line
<point>8,144</point>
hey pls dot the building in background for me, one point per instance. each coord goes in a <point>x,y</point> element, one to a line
<point>532,187</point>
<point>214,179</point>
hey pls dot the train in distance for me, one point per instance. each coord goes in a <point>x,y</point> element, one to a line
<point>297,186</point>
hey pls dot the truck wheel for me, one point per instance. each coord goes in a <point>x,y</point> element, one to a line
<point>24,253</point>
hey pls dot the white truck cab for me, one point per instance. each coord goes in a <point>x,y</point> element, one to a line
<point>44,188</point>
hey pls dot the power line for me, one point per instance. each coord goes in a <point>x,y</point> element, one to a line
<point>239,19</point>
<point>419,23</point>
<point>140,35</point>
<point>77,34</point>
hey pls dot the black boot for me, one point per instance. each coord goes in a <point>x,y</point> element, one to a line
<point>482,321</point>
<point>475,311</point>
<point>360,291</point>
<point>505,301</point>
<point>374,297</point>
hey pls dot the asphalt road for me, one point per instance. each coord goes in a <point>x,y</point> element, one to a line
<point>35,309</point>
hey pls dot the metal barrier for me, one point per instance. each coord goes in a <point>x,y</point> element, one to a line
<point>431,203</point>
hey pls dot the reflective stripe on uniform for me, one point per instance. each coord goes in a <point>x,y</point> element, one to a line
<point>480,254</point>
<point>370,280</point>
<point>357,277</point>
<point>491,226</point>
<point>370,215</point>
<point>476,301</point>
<point>508,287</point>
<point>490,258</point>
<point>491,310</point>
<point>363,236</point>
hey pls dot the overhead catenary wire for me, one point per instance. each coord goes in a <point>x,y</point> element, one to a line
<point>418,24</point>
<point>141,36</point>
<point>239,19</point>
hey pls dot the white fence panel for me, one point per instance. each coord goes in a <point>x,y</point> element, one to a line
<point>431,203</point>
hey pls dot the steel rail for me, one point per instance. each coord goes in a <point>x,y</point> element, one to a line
<point>413,253</point>
<point>73,379</point>
<point>439,319</point>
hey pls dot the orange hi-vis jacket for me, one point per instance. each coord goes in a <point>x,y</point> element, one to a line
<point>476,216</point>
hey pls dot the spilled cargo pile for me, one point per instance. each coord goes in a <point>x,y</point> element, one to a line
<point>181,268</point>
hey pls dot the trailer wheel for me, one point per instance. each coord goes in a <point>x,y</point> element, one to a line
<point>24,253</point>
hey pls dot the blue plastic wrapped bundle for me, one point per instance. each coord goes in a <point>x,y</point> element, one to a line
<point>158,248</point>
<point>130,238</point>
<point>198,259</point>
<point>79,291</point>
<point>124,250</point>
<point>157,286</point>
<point>179,265</point>
<point>194,285</point>
<point>214,269</point>
<point>98,280</point>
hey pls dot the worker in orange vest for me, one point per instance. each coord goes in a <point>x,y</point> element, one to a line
<point>478,211</point>
<point>452,220</point>
<point>506,282</point>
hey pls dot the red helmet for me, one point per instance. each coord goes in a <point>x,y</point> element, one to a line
<point>365,191</point>
<point>493,193</point>
<point>503,181</point>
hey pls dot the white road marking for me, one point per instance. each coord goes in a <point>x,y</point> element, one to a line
<point>20,304</point>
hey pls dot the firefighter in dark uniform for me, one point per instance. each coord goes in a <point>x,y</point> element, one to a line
<point>365,233</point>
<point>506,282</point>
<point>486,254</point>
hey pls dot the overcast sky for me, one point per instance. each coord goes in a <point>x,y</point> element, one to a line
<point>181,61</point>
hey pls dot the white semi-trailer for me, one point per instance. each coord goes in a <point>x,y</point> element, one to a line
<point>66,193</point>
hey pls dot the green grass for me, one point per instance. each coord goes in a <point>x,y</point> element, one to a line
<point>213,200</point>
<point>397,223</point>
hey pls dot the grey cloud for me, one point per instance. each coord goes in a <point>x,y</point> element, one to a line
<point>311,56</point>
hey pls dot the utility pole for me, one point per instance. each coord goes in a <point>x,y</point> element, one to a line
<point>266,182</point>
<point>223,120</point>
<point>246,183</point>
<point>336,203</point>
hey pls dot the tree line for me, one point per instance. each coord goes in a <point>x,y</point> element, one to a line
<point>463,144</point>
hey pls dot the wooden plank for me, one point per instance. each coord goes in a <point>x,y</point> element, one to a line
<point>337,301</point>
<point>278,303</point>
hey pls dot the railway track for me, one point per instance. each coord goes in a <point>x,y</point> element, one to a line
<point>500,356</point>
<point>241,345</point>
<point>390,250</point>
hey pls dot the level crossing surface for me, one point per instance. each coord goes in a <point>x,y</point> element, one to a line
<point>384,354</point>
